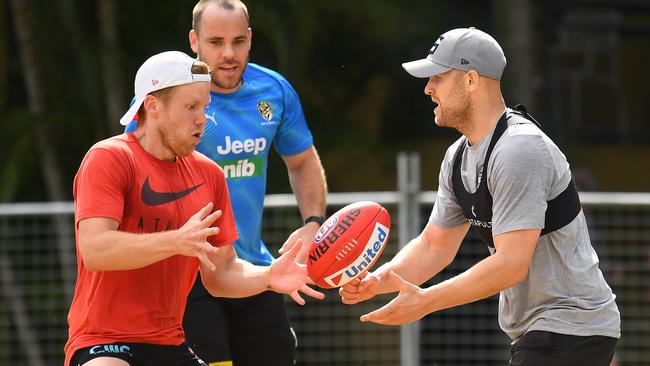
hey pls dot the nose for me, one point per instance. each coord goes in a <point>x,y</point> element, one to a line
<point>228,51</point>
<point>429,89</point>
<point>200,119</point>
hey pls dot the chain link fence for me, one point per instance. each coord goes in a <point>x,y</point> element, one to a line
<point>37,270</point>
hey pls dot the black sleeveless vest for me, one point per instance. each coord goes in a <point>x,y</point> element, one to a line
<point>477,206</point>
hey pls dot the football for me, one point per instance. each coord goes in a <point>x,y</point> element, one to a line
<point>348,243</point>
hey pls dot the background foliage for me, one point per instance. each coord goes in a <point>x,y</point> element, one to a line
<point>67,67</point>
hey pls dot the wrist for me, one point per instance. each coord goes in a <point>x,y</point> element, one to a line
<point>316,219</point>
<point>266,275</point>
<point>167,242</point>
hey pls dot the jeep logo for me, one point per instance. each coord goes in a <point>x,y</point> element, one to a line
<point>254,146</point>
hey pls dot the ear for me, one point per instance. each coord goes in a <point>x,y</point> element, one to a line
<point>194,41</point>
<point>250,38</point>
<point>473,80</point>
<point>151,105</point>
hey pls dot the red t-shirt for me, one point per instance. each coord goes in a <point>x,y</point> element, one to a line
<point>118,179</point>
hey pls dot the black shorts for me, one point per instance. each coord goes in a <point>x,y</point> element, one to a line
<point>139,354</point>
<point>250,331</point>
<point>539,348</point>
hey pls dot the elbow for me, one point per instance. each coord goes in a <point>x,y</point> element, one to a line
<point>212,290</point>
<point>513,271</point>
<point>92,263</point>
<point>520,277</point>
<point>211,285</point>
<point>448,261</point>
<point>518,274</point>
<point>89,257</point>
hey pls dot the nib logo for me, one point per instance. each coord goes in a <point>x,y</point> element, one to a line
<point>464,62</point>
<point>154,82</point>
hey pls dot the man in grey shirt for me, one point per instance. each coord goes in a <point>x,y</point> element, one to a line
<point>511,183</point>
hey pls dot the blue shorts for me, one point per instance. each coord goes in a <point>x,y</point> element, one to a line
<point>139,354</point>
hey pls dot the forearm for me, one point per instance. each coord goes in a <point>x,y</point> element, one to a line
<point>416,262</point>
<point>484,279</point>
<point>234,278</point>
<point>308,184</point>
<point>423,257</point>
<point>307,180</point>
<point>118,251</point>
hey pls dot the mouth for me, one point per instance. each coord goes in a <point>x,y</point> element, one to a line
<point>228,68</point>
<point>197,135</point>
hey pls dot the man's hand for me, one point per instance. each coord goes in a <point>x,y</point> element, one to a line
<point>192,237</point>
<point>306,233</point>
<point>287,276</point>
<point>407,307</point>
<point>359,289</point>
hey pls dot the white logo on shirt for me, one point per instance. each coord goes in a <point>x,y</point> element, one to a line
<point>254,146</point>
<point>211,118</point>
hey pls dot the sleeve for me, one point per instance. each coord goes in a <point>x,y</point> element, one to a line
<point>446,211</point>
<point>520,179</point>
<point>101,186</point>
<point>226,223</point>
<point>293,134</point>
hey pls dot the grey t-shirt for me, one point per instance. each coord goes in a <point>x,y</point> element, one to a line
<point>565,291</point>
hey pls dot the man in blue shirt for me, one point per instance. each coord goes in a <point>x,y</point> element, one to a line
<point>252,108</point>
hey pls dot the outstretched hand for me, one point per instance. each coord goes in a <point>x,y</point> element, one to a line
<point>359,289</point>
<point>191,239</point>
<point>407,307</point>
<point>287,276</point>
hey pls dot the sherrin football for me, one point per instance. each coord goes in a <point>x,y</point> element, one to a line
<point>348,243</point>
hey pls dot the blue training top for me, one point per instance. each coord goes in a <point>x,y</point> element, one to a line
<point>241,126</point>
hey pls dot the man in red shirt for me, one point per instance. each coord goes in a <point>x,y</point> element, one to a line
<point>149,213</point>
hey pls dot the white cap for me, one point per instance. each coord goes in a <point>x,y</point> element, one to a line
<point>463,49</point>
<point>162,71</point>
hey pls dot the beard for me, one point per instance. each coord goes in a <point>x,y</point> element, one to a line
<point>171,140</point>
<point>227,82</point>
<point>457,112</point>
<point>222,81</point>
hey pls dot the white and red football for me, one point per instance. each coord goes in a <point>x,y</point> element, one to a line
<point>348,243</point>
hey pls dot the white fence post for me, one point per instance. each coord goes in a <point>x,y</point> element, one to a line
<point>408,186</point>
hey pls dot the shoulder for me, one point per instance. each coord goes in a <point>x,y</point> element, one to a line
<point>523,150</point>
<point>118,142</point>
<point>110,160</point>
<point>258,73</point>
<point>117,146</point>
<point>522,140</point>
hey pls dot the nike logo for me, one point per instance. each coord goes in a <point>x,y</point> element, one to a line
<point>153,198</point>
